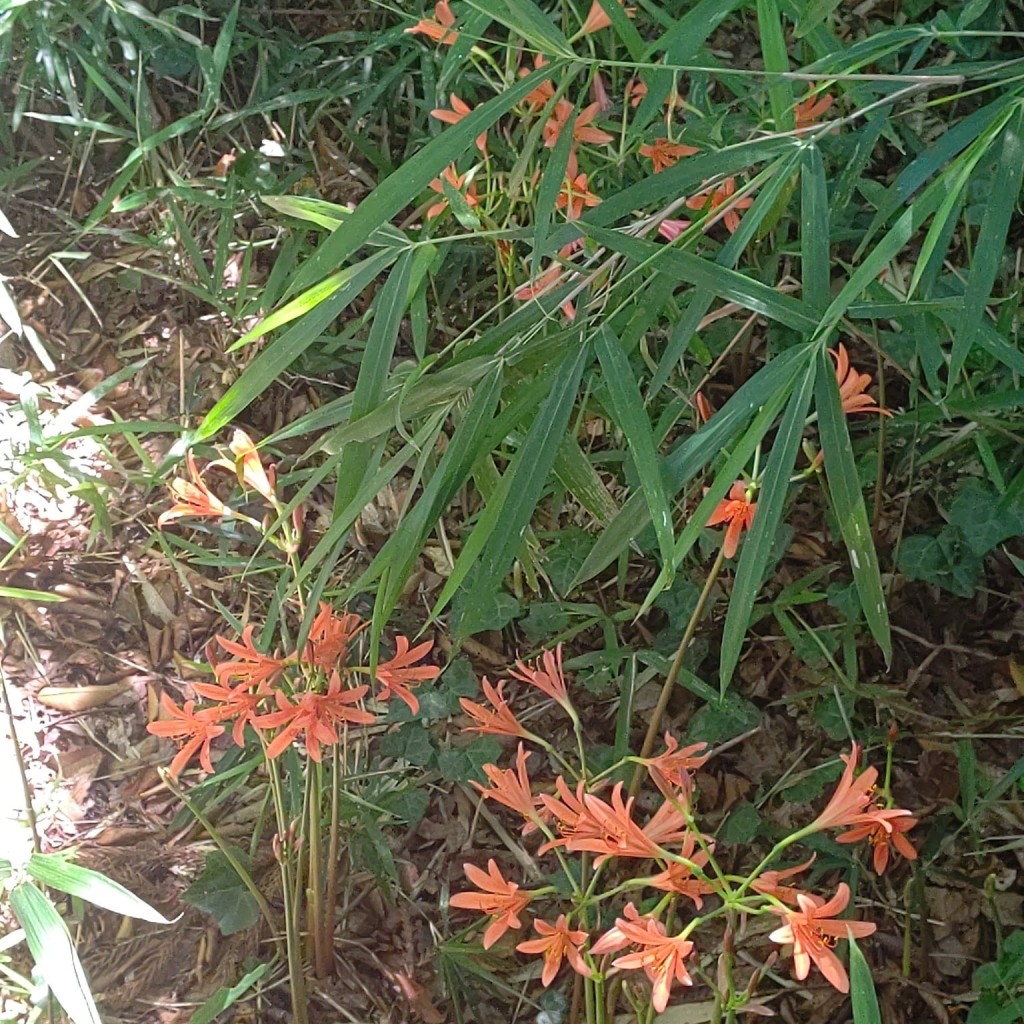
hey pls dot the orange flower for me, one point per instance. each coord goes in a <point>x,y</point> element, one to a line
<point>883,828</point>
<point>769,883</point>
<point>197,728</point>
<point>547,280</point>
<point>192,498</point>
<point>582,130</point>
<point>548,679</point>
<point>705,410</point>
<point>567,808</point>
<point>249,467</point>
<point>851,797</point>
<point>499,899</point>
<point>253,666</point>
<point>575,195</point>
<point>812,932</point>
<point>597,19</point>
<point>501,721</point>
<point>456,181</point>
<point>540,97</point>
<point>557,943</point>
<point>636,90</point>
<point>738,511</point>
<point>234,702</point>
<point>661,957</point>
<point>315,714</point>
<point>679,877</point>
<point>721,196</point>
<point>455,115</point>
<point>663,153</point>
<point>330,637</point>
<point>809,110</point>
<point>512,789</point>
<point>439,28</point>
<point>396,675</point>
<point>853,385</point>
<point>675,767</point>
<point>671,229</point>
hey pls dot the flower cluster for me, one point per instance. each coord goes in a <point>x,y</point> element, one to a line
<point>654,934</point>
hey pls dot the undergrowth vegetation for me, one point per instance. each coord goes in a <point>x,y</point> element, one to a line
<point>662,358</point>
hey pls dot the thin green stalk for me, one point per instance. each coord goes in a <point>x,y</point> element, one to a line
<point>26,790</point>
<point>314,902</point>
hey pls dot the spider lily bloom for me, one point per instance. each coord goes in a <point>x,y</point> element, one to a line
<point>500,900</point>
<point>661,957</point>
<point>567,809</point>
<point>198,729</point>
<point>769,883</point>
<point>853,385</point>
<point>678,877</point>
<point>499,722</point>
<point>721,196</point>
<point>663,153</point>
<point>315,714</point>
<point>851,798</point>
<point>248,466</point>
<point>599,93</point>
<point>738,511</point>
<point>671,229</point>
<point>574,195</point>
<point>255,667</point>
<point>812,931</point>
<point>883,829</point>
<point>598,19</point>
<point>541,96</point>
<point>330,637</point>
<point>674,768</point>
<point>635,91</point>
<point>396,675</point>
<point>456,181</point>
<point>582,131</point>
<point>809,111</point>
<point>440,27</point>
<point>240,703</point>
<point>455,115</point>
<point>548,279</point>
<point>558,942</point>
<point>512,789</point>
<point>546,676</point>
<point>192,498</point>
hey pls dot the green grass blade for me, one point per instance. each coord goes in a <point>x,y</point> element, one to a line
<point>776,62</point>
<point>526,19</point>
<point>547,192</point>
<point>848,503</point>
<point>814,229</point>
<point>757,548</point>
<point>576,474</point>
<point>631,418</point>
<point>1001,202</point>
<point>863,999</point>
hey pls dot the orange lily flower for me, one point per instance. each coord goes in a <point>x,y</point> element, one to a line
<point>456,181</point>
<point>597,19</point>
<point>769,883</point>
<point>396,675</point>
<point>558,942</point>
<point>705,410</point>
<point>547,280</point>
<point>499,899</point>
<point>541,96</point>
<point>671,228</point>
<point>330,637</point>
<point>197,729</point>
<point>567,808</point>
<point>499,722</point>
<point>883,829</point>
<point>455,115</point>
<point>721,196</point>
<point>440,27</point>
<point>662,153</point>
<point>661,957</point>
<point>616,937</point>
<point>853,385</point>
<point>574,194</point>
<point>738,511</point>
<point>809,111</point>
<point>240,703</point>
<point>851,797</point>
<point>674,768</point>
<point>192,498</point>
<point>315,714</point>
<point>546,676</point>
<point>512,789</point>
<point>679,877</point>
<point>253,666</point>
<point>582,130</point>
<point>812,931</point>
<point>249,467</point>
<point>636,90</point>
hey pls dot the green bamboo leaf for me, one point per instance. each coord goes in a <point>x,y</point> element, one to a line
<point>776,63</point>
<point>814,229</point>
<point>395,193</point>
<point>59,872</point>
<point>770,501</point>
<point>547,193</point>
<point>863,998</point>
<point>507,515</point>
<point>1003,197</point>
<point>848,502</point>
<point>576,474</point>
<point>54,953</point>
<point>283,351</point>
<point>631,418</point>
<point>687,34</point>
<point>526,19</point>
